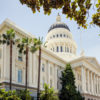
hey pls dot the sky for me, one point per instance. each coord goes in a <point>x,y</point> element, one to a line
<point>38,24</point>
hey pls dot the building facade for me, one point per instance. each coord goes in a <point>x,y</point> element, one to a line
<point>61,49</point>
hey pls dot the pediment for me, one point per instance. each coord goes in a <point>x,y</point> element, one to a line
<point>93,61</point>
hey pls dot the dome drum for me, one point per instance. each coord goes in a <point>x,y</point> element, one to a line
<point>60,41</point>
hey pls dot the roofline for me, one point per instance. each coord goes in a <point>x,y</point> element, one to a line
<point>16,28</point>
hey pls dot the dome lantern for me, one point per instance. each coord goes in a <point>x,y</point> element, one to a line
<point>58,19</point>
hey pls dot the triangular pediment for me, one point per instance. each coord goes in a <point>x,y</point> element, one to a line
<point>93,61</point>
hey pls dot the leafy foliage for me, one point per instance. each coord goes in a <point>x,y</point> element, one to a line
<point>68,91</point>
<point>24,95</point>
<point>48,93</point>
<point>96,16</point>
<point>13,95</point>
<point>8,95</point>
<point>31,43</point>
<point>73,9</point>
<point>8,37</point>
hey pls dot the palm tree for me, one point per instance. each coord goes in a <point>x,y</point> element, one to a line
<point>25,45</point>
<point>39,42</point>
<point>9,39</point>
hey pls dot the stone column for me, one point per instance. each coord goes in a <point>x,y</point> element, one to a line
<point>55,77</point>
<point>97,86</point>
<point>34,68</point>
<point>88,79</point>
<point>83,79</point>
<point>48,70</point>
<point>30,69</point>
<point>91,83</point>
<point>94,84</point>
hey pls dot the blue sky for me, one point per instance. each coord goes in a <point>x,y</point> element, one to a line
<point>38,24</point>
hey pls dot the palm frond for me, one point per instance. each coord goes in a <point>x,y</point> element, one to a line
<point>4,36</point>
<point>3,41</point>
<point>33,49</point>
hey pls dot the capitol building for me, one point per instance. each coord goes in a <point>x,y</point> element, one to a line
<point>60,50</point>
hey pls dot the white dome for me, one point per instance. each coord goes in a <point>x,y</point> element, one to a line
<point>59,40</point>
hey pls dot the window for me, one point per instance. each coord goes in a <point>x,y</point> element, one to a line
<point>0,54</point>
<point>57,49</point>
<point>57,35</point>
<point>64,35</point>
<point>50,83</point>
<point>54,36</point>
<point>20,58</point>
<point>61,49</point>
<point>67,49</point>
<point>19,76</point>
<point>43,68</point>
<point>60,35</point>
<point>50,70</point>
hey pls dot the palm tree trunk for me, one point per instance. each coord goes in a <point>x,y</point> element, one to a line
<point>26,67</point>
<point>38,89</point>
<point>10,65</point>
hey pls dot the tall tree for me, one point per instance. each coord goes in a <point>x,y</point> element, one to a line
<point>68,91</point>
<point>39,42</point>
<point>9,39</point>
<point>77,10</point>
<point>25,45</point>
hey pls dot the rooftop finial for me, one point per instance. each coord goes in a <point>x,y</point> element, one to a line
<point>58,19</point>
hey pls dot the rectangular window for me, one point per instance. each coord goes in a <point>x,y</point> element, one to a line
<point>19,76</point>
<point>20,58</point>
<point>50,70</point>
<point>43,68</point>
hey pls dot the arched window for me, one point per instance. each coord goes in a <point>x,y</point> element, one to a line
<point>64,35</point>
<point>61,49</point>
<point>67,49</point>
<point>54,36</point>
<point>60,35</point>
<point>19,76</point>
<point>57,35</point>
<point>57,49</point>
